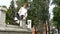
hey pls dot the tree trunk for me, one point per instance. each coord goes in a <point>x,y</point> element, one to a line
<point>48,28</point>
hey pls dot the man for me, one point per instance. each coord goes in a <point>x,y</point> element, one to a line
<point>23,14</point>
<point>23,11</point>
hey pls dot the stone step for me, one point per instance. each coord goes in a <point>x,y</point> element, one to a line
<point>5,30</point>
<point>12,26</point>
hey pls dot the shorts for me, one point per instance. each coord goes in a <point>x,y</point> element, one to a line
<point>21,17</point>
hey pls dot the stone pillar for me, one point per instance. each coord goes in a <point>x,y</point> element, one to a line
<point>29,23</point>
<point>2,16</point>
<point>23,23</point>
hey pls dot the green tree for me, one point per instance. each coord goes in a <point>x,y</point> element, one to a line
<point>56,13</point>
<point>10,13</point>
<point>57,2</point>
<point>12,8</point>
<point>39,12</point>
<point>56,17</point>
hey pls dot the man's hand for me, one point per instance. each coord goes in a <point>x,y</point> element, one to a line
<point>25,16</point>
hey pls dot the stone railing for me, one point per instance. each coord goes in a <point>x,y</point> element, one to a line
<point>23,23</point>
<point>9,29</point>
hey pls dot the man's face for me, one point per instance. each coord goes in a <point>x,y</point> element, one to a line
<point>25,5</point>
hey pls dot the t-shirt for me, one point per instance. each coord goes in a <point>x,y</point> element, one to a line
<point>23,11</point>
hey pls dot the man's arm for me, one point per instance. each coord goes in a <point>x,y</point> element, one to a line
<point>19,10</point>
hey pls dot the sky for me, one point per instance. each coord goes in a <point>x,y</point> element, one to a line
<point>50,11</point>
<point>51,6</point>
<point>7,3</point>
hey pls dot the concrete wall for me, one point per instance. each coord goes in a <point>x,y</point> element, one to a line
<point>14,32</point>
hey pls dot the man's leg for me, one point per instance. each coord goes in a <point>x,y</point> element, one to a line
<point>21,21</point>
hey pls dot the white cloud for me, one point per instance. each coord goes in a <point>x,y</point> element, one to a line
<point>5,2</point>
<point>50,11</point>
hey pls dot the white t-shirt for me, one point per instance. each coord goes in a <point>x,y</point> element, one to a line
<point>22,11</point>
